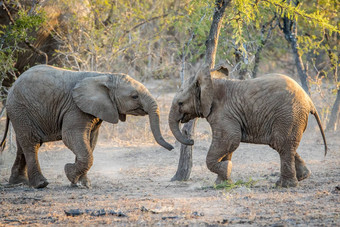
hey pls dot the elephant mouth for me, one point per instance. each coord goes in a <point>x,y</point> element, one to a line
<point>137,112</point>
<point>185,118</point>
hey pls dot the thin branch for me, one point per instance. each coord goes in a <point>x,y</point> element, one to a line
<point>37,51</point>
<point>8,13</point>
<point>28,44</point>
<point>140,24</point>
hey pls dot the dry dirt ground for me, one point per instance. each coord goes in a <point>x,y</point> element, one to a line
<point>131,184</point>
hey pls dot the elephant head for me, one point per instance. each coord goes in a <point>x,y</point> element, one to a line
<point>112,96</point>
<point>194,99</point>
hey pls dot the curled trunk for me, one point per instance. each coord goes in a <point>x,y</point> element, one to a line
<point>174,127</point>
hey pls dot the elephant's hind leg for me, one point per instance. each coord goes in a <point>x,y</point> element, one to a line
<point>35,177</point>
<point>19,169</point>
<point>288,172</point>
<point>302,172</point>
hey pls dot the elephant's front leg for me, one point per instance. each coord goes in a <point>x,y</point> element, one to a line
<point>83,179</point>
<point>76,140</point>
<point>219,156</point>
<point>225,159</point>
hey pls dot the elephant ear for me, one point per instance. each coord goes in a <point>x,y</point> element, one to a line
<point>220,71</point>
<point>92,96</point>
<point>204,82</point>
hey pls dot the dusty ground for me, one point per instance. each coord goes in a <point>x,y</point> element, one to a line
<point>131,184</point>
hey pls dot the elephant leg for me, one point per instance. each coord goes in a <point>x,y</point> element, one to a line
<point>302,172</point>
<point>83,179</point>
<point>288,172</point>
<point>19,169</point>
<point>226,159</point>
<point>35,177</point>
<point>80,146</point>
<point>220,152</point>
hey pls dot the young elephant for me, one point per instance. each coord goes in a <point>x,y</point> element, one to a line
<point>50,104</point>
<point>269,110</point>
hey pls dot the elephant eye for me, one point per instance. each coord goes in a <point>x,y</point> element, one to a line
<point>180,103</point>
<point>135,96</point>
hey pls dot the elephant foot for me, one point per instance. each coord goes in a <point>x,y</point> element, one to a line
<point>287,183</point>
<point>302,172</point>
<point>84,180</point>
<point>38,182</point>
<point>70,173</point>
<point>220,180</point>
<point>18,179</point>
<point>225,172</point>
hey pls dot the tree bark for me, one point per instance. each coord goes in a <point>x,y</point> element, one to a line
<point>262,44</point>
<point>290,31</point>
<point>185,161</point>
<point>335,114</point>
<point>212,41</point>
<point>299,63</point>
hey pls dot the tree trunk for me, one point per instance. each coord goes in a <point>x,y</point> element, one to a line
<point>263,43</point>
<point>335,114</point>
<point>290,31</point>
<point>299,64</point>
<point>212,41</point>
<point>185,160</point>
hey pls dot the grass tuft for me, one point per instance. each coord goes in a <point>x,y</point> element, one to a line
<point>229,185</point>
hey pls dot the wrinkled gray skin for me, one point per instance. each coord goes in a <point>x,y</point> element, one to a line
<point>50,104</point>
<point>269,110</point>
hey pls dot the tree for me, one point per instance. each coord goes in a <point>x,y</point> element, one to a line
<point>16,30</point>
<point>289,29</point>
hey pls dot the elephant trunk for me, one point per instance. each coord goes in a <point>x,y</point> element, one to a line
<point>174,127</point>
<point>152,109</point>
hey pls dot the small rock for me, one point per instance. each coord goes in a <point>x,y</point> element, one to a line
<point>144,209</point>
<point>98,213</point>
<point>170,217</point>
<point>73,212</point>
<point>196,214</point>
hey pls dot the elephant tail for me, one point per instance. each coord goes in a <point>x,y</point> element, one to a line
<point>316,115</point>
<point>3,142</point>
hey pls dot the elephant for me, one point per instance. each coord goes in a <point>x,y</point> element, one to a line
<point>272,110</point>
<point>49,104</point>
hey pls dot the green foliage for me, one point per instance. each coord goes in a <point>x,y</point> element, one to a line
<point>248,22</point>
<point>12,37</point>
<point>228,185</point>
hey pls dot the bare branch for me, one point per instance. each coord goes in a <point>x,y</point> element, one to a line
<point>140,24</point>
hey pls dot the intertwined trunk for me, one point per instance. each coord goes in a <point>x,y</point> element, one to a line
<point>185,160</point>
